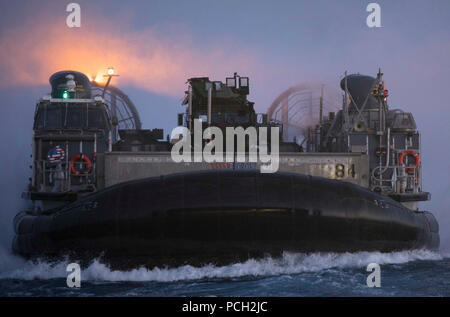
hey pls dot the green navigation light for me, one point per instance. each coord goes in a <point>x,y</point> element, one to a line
<point>65,94</point>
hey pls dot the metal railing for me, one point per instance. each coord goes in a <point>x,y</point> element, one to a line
<point>58,177</point>
<point>401,179</point>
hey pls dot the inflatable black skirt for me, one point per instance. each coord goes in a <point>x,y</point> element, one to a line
<point>221,216</point>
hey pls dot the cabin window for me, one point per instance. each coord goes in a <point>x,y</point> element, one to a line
<point>76,116</point>
<point>53,116</point>
<point>70,116</point>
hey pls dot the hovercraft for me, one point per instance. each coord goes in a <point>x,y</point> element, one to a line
<point>102,186</point>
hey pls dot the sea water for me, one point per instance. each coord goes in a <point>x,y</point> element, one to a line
<point>406,273</point>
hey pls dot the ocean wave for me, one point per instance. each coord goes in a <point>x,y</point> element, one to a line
<point>12,267</point>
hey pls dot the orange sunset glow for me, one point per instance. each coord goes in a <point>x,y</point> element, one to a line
<point>141,58</point>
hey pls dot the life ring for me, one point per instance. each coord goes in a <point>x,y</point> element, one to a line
<point>412,153</point>
<point>84,158</point>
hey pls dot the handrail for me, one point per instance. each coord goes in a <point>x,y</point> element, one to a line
<point>399,180</point>
<point>57,177</point>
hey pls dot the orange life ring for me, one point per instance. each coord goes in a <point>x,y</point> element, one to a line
<point>84,158</point>
<point>412,153</point>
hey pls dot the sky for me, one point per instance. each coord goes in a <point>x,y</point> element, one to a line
<point>156,46</point>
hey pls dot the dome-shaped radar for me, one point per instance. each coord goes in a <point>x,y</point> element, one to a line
<point>360,88</point>
<point>59,82</point>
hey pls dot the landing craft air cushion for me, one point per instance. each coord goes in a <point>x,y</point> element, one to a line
<point>101,188</point>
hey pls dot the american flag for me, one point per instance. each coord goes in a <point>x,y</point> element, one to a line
<point>56,154</point>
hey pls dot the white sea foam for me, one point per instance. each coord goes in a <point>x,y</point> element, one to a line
<point>289,263</point>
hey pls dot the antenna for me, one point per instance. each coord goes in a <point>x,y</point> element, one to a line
<point>321,106</point>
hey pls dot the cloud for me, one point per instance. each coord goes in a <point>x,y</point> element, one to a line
<point>143,58</point>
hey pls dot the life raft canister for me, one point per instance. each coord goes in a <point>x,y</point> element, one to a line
<point>83,158</point>
<point>411,153</point>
